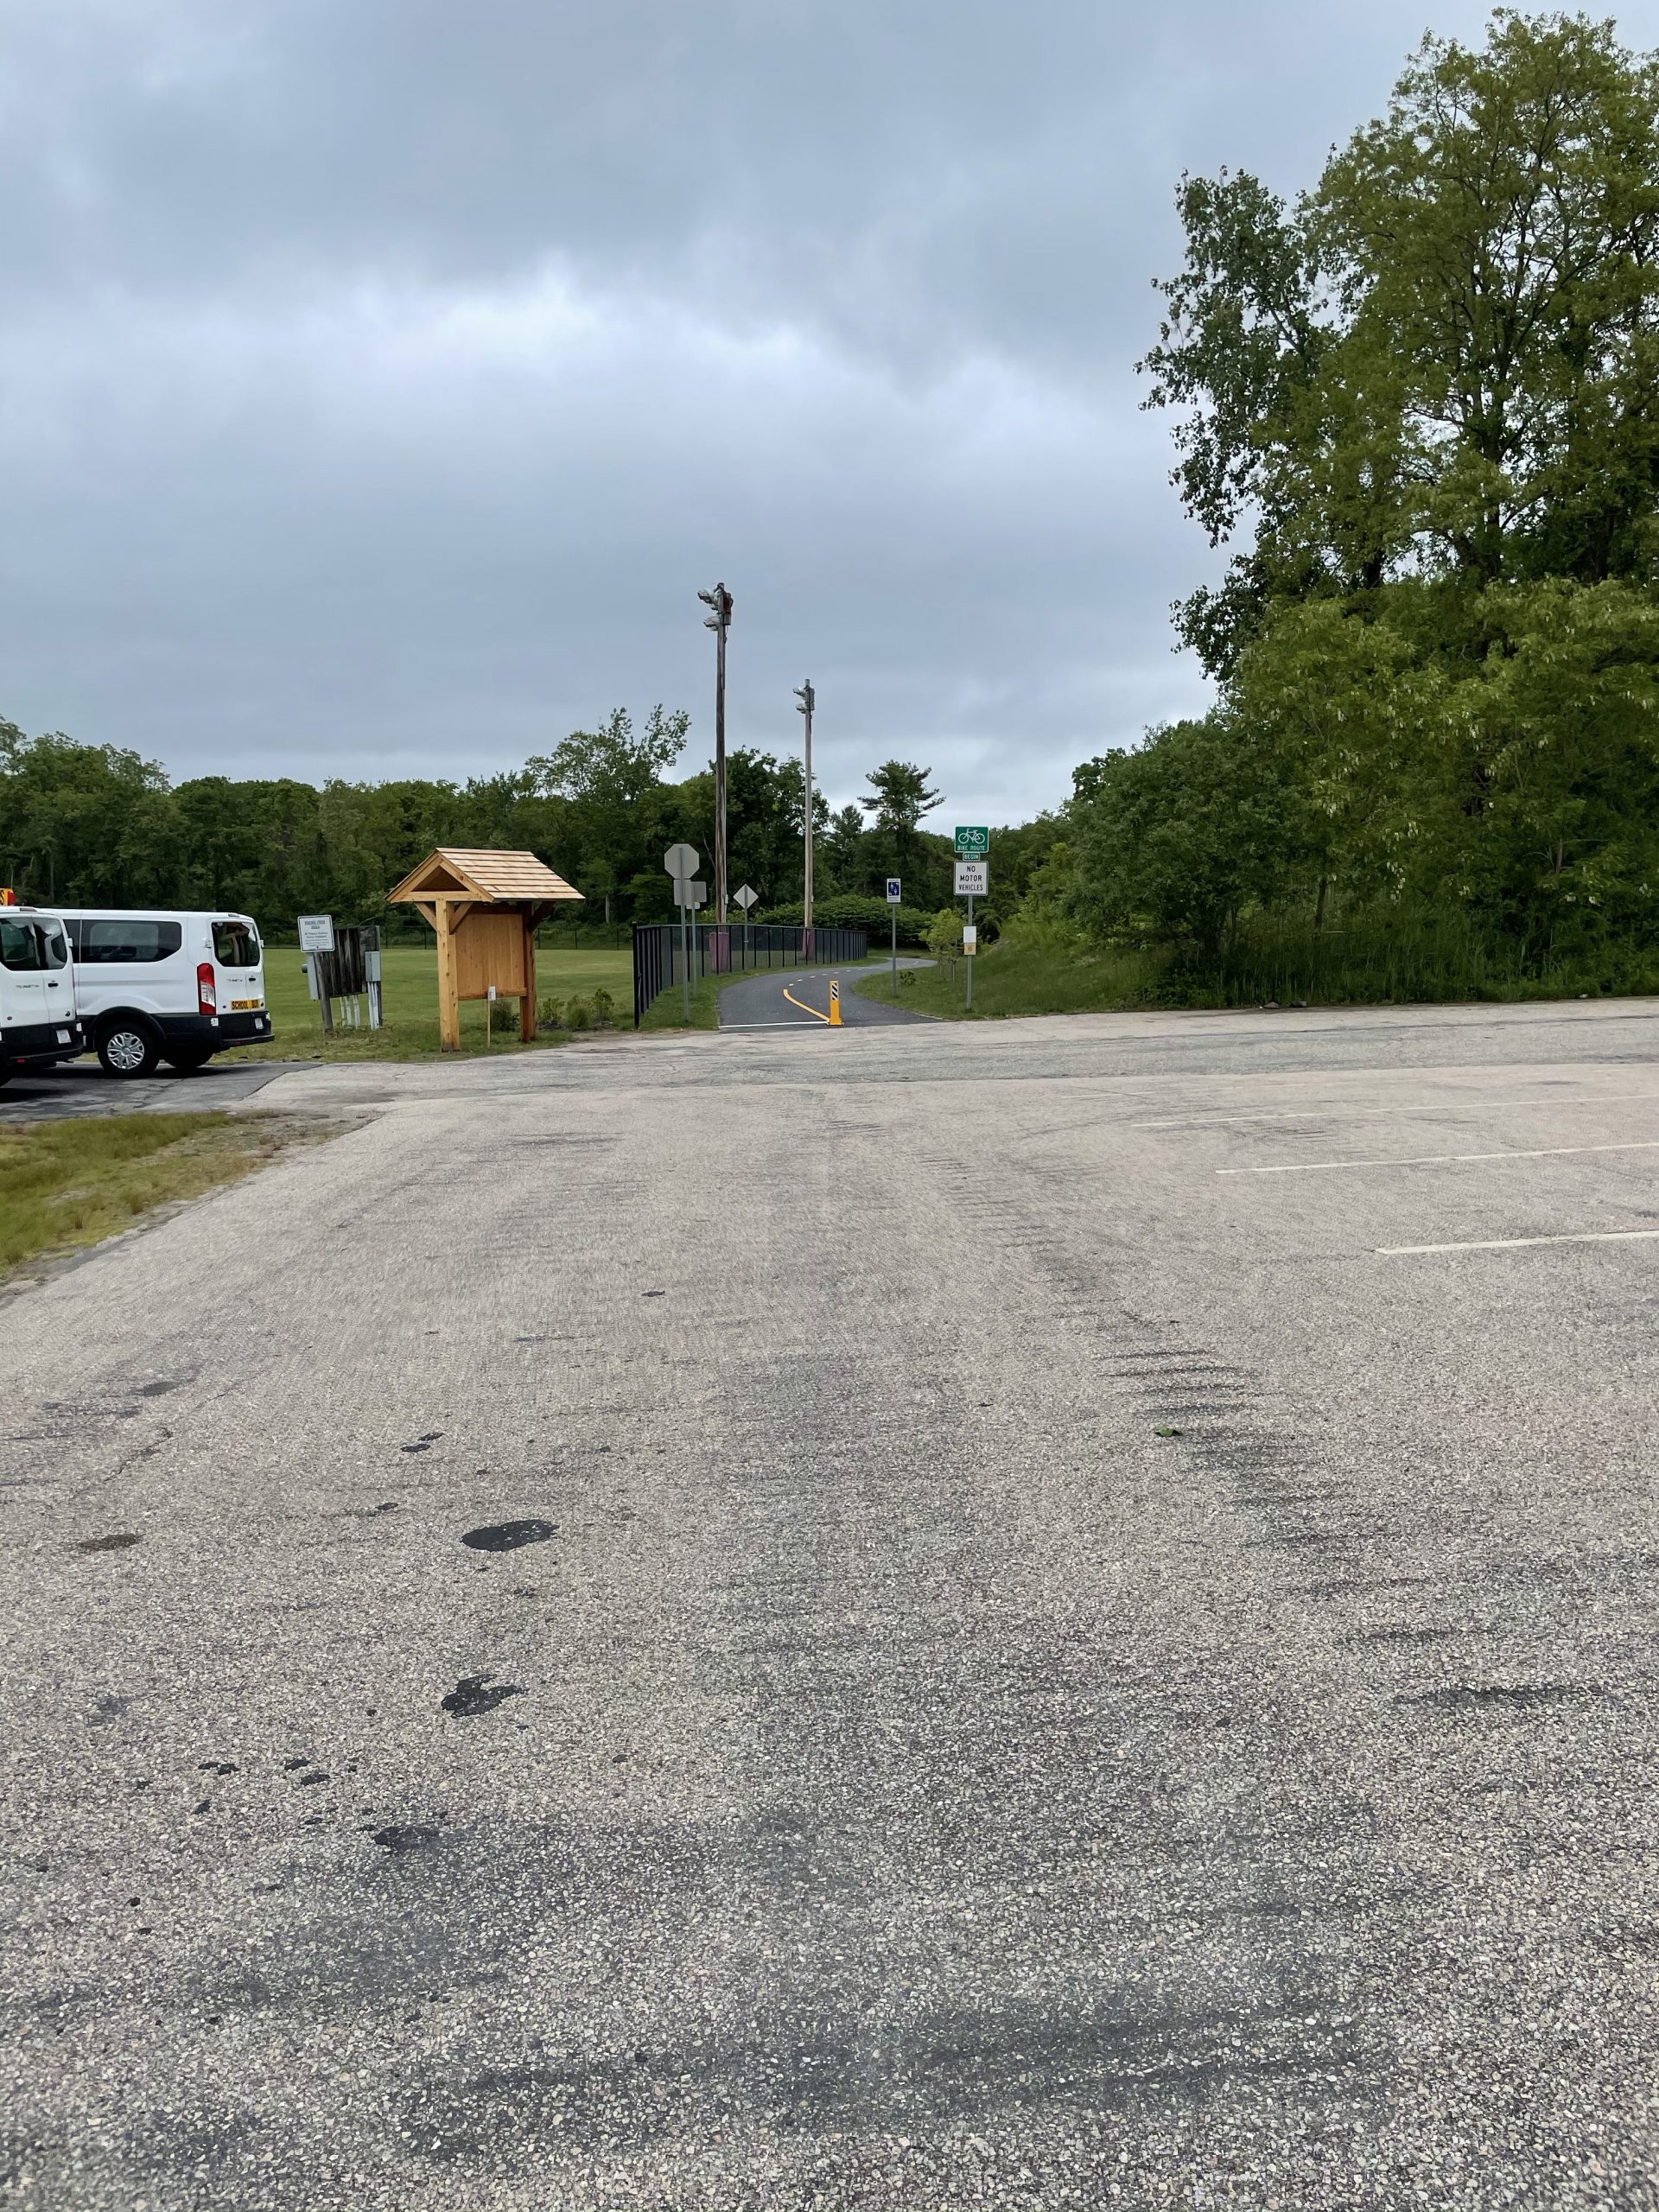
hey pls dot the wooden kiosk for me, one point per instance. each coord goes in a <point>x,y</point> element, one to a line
<point>486,908</point>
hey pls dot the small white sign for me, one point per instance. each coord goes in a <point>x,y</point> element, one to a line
<point>894,895</point>
<point>973,879</point>
<point>491,993</point>
<point>317,932</point>
<point>970,939</point>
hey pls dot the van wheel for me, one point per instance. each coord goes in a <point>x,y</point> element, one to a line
<point>188,1059</point>
<point>128,1048</point>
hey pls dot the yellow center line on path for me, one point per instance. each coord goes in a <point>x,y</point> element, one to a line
<point>803,1004</point>
<point>1439,1158</point>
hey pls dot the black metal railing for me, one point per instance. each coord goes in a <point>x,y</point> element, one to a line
<point>732,951</point>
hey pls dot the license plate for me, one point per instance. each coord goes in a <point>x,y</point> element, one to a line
<point>247,1006</point>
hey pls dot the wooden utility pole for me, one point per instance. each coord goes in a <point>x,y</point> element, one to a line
<point>807,698</point>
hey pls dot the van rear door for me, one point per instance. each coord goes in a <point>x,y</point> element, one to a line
<point>238,965</point>
<point>37,988</point>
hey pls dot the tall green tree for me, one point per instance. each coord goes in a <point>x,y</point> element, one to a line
<point>609,776</point>
<point>1444,359</point>
<point>899,795</point>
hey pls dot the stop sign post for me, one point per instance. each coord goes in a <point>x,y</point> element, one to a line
<point>682,863</point>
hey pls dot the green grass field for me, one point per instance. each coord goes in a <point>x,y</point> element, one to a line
<point>1011,979</point>
<point>409,989</point>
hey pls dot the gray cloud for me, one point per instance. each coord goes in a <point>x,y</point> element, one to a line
<point>378,382</point>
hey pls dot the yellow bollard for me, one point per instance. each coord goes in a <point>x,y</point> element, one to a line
<point>835,1005</point>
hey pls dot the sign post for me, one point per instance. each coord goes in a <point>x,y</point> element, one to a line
<point>681,862</point>
<point>895,893</point>
<point>744,898</point>
<point>973,881</point>
<point>317,935</point>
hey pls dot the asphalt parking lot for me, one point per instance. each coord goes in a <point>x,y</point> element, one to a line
<point>1025,1614</point>
<point>81,1087</point>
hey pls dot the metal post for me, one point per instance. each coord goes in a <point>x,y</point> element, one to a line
<point>719,602</point>
<point>893,915</point>
<point>970,962</point>
<point>685,963</point>
<point>808,699</point>
<point>719,771</point>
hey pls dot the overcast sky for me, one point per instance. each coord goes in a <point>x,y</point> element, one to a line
<point>380,379</point>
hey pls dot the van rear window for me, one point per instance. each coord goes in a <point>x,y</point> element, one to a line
<point>124,941</point>
<point>235,945</point>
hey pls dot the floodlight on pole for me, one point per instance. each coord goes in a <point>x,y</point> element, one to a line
<point>719,620</point>
<point>805,700</point>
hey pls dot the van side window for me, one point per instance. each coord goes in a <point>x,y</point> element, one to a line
<point>235,945</point>
<point>125,942</point>
<point>22,947</point>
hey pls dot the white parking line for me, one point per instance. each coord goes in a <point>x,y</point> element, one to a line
<point>1509,1244</point>
<point>1439,1158</point>
<point>1484,1104</point>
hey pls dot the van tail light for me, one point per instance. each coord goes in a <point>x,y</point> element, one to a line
<point>205,1000</point>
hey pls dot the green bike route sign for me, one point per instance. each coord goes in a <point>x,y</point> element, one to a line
<point>973,844</point>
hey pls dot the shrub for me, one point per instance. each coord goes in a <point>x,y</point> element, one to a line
<point>853,911</point>
<point>944,934</point>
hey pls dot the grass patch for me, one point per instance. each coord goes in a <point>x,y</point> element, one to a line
<point>65,1185</point>
<point>410,997</point>
<point>1035,970</point>
<point>1016,979</point>
<point>667,1009</point>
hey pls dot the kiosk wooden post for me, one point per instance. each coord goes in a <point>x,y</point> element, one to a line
<point>485,908</point>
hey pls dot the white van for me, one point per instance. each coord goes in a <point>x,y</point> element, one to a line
<point>153,985</point>
<point>38,1022</point>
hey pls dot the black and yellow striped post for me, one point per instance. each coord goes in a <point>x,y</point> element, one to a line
<point>834,1004</point>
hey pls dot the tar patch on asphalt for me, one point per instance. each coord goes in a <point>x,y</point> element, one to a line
<point>508,1535</point>
<point>1476,1697</point>
<point>117,1543</point>
<point>423,1443</point>
<point>476,1693</point>
<point>405,1839</point>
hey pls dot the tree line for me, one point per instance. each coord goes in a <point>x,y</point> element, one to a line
<point>83,823</point>
<point>1419,405</point>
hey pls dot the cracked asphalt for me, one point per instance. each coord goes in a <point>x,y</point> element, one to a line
<point>1025,1614</point>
